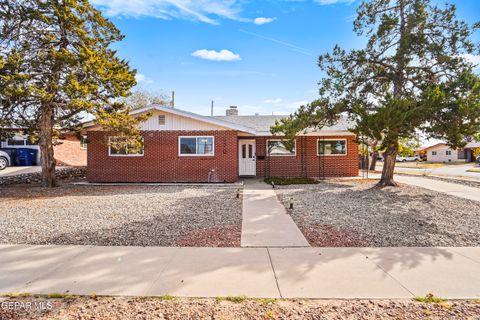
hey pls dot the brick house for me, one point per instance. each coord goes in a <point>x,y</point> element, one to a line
<point>181,146</point>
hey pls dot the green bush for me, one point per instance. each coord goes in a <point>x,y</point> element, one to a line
<point>279,181</point>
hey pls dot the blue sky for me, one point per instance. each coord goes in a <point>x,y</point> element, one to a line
<point>258,55</point>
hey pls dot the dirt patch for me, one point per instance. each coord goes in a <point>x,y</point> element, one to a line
<point>228,236</point>
<point>329,236</point>
<point>162,308</point>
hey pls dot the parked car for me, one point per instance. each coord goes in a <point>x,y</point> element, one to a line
<point>4,160</point>
<point>408,159</point>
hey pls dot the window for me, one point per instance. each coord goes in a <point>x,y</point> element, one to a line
<point>196,146</point>
<point>277,148</point>
<point>448,152</point>
<point>19,141</point>
<point>118,147</point>
<point>83,142</point>
<point>161,120</point>
<point>332,147</point>
<point>434,153</point>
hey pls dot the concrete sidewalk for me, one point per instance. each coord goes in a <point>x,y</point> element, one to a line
<point>253,272</point>
<point>453,189</point>
<point>265,222</point>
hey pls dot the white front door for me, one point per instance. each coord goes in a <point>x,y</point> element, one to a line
<point>247,165</point>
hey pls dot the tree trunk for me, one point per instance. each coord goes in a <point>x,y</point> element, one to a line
<point>373,164</point>
<point>389,166</point>
<point>46,147</point>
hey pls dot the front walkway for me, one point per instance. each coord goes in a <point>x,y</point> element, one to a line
<point>265,222</point>
<point>367,273</point>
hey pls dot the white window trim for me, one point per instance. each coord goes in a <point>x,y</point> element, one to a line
<point>180,154</point>
<point>123,155</point>
<point>281,155</point>
<point>86,144</point>
<point>332,155</point>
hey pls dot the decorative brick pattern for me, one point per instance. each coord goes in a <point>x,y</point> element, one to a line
<point>161,162</point>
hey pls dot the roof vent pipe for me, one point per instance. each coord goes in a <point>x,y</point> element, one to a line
<point>232,111</point>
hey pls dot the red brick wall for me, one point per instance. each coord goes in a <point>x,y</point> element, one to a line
<point>69,153</point>
<point>311,165</point>
<point>161,162</point>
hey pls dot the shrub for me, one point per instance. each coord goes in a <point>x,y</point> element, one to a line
<point>279,181</point>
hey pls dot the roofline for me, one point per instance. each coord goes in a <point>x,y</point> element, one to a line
<point>435,145</point>
<point>195,116</point>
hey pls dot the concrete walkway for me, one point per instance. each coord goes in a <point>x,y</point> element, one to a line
<point>265,222</point>
<point>368,273</point>
<point>453,189</point>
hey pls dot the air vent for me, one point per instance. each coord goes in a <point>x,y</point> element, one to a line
<point>161,120</point>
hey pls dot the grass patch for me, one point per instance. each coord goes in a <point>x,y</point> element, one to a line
<point>279,181</point>
<point>234,299</point>
<point>167,297</point>
<point>269,314</point>
<point>474,170</point>
<point>430,298</point>
<point>56,295</point>
<point>18,295</point>
<point>267,301</point>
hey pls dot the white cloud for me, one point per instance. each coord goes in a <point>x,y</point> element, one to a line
<point>222,55</point>
<point>142,78</point>
<point>273,101</point>
<point>327,2</point>
<point>473,59</point>
<point>197,10</point>
<point>262,20</point>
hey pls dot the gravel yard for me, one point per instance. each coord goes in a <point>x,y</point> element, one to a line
<point>354,214</point>
<point>158,308</point>
<point>120,215</point>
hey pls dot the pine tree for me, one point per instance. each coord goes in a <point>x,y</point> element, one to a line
<point>56,65</point>
<point>412,75</point>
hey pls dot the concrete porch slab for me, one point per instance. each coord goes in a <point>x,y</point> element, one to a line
<point>127,271</point>
<point>341,273</point>
<point>213,272</point>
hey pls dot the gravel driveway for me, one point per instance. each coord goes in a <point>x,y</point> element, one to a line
<point>353,214</point>
<point>120,215</point>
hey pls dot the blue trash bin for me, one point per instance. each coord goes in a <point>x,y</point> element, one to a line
<point>26,157</point>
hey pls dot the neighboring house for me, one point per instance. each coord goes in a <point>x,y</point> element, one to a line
<point>181,146</point>
<point>442,153</point>
<point>69,150</point>
<point>469,154</point>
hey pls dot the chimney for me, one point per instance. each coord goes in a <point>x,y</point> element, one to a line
<point>232,111</point>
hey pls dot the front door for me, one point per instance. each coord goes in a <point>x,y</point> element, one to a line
<point>247,165</point>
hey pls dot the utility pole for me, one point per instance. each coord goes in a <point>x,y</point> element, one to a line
<point>211,109</point>
<point>173,99</point>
